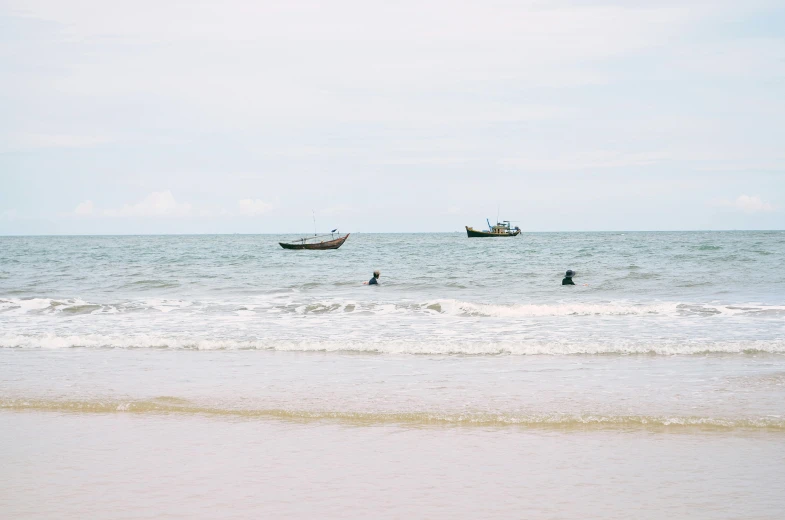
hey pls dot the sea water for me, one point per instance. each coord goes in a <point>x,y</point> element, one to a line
<point>194,374</point>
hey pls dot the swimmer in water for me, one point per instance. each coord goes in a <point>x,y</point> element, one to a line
<point>568,278</point>
<point>374,280</point>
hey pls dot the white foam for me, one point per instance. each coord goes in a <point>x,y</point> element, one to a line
<point>43,305</point>
<point>396,346</point>
<point>447,307</point>
<point>461,308</point>
<point>165,305</point>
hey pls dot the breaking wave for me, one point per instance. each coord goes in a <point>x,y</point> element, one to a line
<point>174,405</point>
<point>293,322</point>
<point>411,345</point>
<point>448,307</point>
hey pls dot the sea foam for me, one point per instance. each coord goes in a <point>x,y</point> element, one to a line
<point>523,346</point>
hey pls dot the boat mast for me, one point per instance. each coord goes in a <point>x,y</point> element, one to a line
<point>313,213</point>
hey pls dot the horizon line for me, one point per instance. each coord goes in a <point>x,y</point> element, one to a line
<point>4,235</point>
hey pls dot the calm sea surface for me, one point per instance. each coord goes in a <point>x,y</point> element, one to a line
<point>204,376</point>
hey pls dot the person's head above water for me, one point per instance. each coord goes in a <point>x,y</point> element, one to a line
<point>373,281</point>
<point>570,273</point>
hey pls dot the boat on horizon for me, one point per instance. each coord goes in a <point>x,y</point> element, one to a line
<point>316,242</point>
<point>501,229</point>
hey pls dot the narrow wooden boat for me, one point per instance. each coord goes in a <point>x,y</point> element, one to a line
<point>501,229</point>
<point>314,242</point>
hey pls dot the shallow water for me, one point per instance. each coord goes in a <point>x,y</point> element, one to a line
<point>695,393</point>
<point>179,376</point>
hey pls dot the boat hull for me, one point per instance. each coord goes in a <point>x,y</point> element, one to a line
<point>329,244</point>
<point>473,233</point>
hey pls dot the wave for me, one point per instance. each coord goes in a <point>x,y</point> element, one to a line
<point>461,308</point>
<point>152,284</point>
<point>72,306</point>
<point>411,346</point>
<point>174,405</point>
<point>448,307</point>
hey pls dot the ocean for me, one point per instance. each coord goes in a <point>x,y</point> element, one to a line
<point>206,376</point>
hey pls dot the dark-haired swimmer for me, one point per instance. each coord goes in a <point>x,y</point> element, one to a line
<point>374,280</point>
<point>568,278</point>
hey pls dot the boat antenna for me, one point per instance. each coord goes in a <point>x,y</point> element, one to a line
<point>313,213</point>
<point>497,213</point>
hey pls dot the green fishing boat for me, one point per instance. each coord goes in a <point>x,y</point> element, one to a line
<point>501,229</point>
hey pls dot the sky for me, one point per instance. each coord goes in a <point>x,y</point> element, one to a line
<point>170,116</point>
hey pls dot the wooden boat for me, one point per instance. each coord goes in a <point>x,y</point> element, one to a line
<point>501,229</point>
<point>314,242</point>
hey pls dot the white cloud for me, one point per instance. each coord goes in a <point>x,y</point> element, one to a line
<point>595,159</point>
<point>157,204</point>
<point>353,61</point>
<point>414,97</point>
<point>85,208</point>
<point>28,141</point>
<point>341,209</point>
<point>748,204</point>
<point>212,212</point>
<point>164,204</point>
<point>253,207</point>
<point>9,214</point>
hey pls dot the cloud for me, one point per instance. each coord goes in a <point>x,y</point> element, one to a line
<point>31,141</point>
<point>164,204</point>
<point>9,214</point>
<point>85,208</point>
<point>748,204</point>
<point>341,209</point>
<point>354,61</point>
<point>157,204</point>
<point>590,160</point>
<point>253,207</point>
